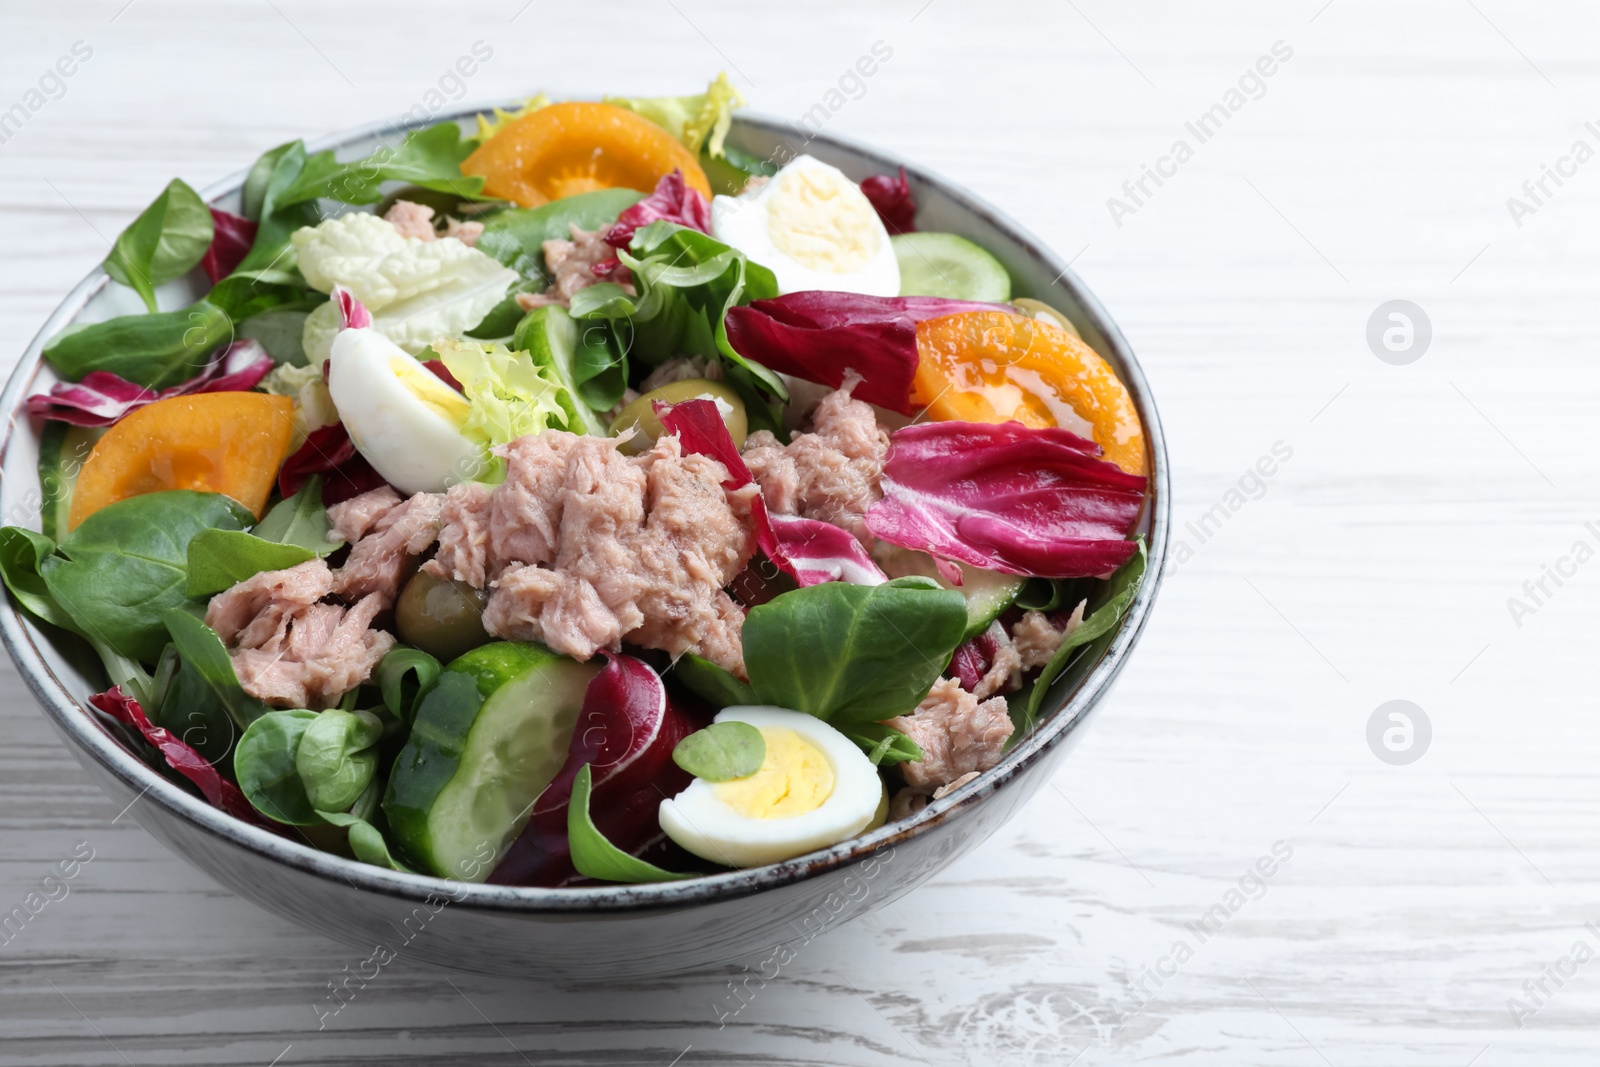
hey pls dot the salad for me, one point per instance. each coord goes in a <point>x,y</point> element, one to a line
<point>575,498</point>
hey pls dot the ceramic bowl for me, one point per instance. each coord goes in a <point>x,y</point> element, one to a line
<point>599,933</point>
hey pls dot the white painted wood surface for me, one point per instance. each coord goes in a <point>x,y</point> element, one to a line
<point>1377,565</point>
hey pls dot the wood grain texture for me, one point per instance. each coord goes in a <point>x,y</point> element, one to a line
<point>1376,565</point>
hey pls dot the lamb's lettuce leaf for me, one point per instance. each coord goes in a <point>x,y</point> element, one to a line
<point>1095,631</point>
<point>595,857</point>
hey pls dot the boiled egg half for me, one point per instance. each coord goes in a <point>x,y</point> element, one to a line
<point>814,789</point>
<point>404,420</point>
<point>813,228</point>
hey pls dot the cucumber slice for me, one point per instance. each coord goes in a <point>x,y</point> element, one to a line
<point>62,450</point>
<point>488,739</point>
<point>942,264</point>
<point>550,336</point>
<point>988,593</point>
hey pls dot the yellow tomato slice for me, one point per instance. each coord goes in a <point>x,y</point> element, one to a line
<point>992,366</point>
<point>231,443</point>
<point>566,149</point>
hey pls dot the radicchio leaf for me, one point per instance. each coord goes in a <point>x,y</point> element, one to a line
<point>328,451</point>
<point>218,791</point>
<point>973,659</point>
<point>353,314</point>
<point>674,200</point>
<point>231,240</point>
<point>626,732</point>
<point>821,336</point>
<point>810,550</point>
<point>1008,498</point>
<point>891,199</point>
<point>102,398</point>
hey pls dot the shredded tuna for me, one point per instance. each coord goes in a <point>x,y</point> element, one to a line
<point>682,369</point>
<point>380,562</point>
<point>411,220</point>
<point>957,734</point>
<point>831,473</point>
<point>588,547</point>
<point>1036,638</point>
<point>288,648</point>
<point>463,536</point>
<point>465,232</point>
<point>416,220</point>
<point>350,520</point>
<point>571,265</point>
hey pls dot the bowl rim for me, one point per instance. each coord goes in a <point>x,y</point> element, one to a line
<point>80,726</point>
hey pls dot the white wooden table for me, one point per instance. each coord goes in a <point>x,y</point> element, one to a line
<point>1376,563</point>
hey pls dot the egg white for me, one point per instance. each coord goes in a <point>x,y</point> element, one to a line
<point>699,821</point>
<point>408,441</point>
<point>813,228</point>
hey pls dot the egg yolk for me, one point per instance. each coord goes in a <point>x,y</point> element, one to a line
<point>822,223</point>
<point>796,777</point>
<point>421,383</point>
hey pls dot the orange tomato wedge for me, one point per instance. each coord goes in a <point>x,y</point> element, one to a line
<point>566,149</point>
<point>992,366</point>
<point>231,443</point>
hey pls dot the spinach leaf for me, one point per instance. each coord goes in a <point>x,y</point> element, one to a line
<point>335,760</point>
<point>202,651</point>
<point>852,654</point>
<point>722,751</point>
<point>595,857</point>
<point>276,216</point>
<point>300,520</point>
<point>884,745</point>
<point>218,559</point>
<point>125,565</point>
<point>154,350</point>
<point>517,235</point>
<point>714,684</point>
<point>429,157</point>
<point>22,555</point>
<point>1095,629</point>
<point>165,242</point>
<point>189,709</point>
<point>243,295</point>
<point>281,331</point>
<point>404,677</point>
<point>265,764</point>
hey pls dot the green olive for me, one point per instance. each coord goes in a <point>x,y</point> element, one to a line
<point>442,617</point>
<point>641,414</point>
<point>1038,309</point>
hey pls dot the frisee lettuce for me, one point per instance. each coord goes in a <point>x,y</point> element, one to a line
<point>699,121</point>
<point>510,396</point>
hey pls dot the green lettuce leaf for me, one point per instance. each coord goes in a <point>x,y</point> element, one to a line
<point>697,121</point>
